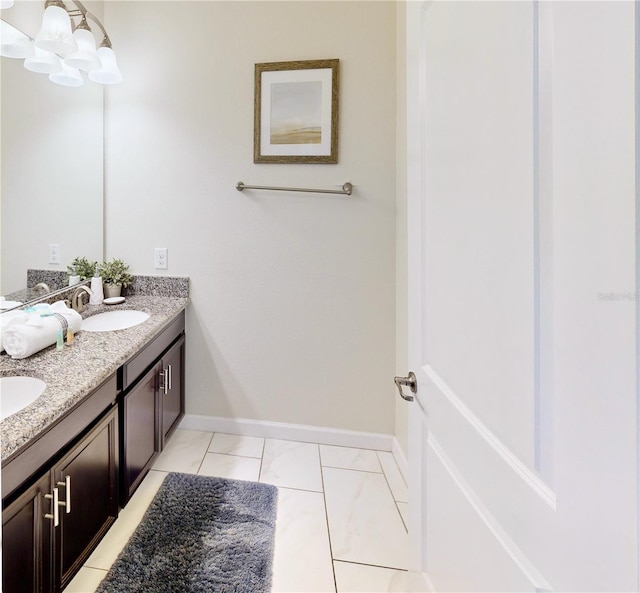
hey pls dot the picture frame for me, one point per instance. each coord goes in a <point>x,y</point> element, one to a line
<point>296,111</point>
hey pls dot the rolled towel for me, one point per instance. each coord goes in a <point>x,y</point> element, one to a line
<point>8,318</point>
<point>28,336</point>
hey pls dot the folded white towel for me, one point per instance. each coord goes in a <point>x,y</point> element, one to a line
<point>10,317</point>
<point>24,337</point>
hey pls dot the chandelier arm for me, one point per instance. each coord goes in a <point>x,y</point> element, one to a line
<point>88,15</point>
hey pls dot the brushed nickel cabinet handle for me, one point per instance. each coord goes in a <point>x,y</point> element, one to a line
<point>164,385</point>
<point>67,488</point>
<point>54,505</point>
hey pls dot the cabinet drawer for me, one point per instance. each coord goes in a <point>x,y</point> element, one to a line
<point>135,367</point>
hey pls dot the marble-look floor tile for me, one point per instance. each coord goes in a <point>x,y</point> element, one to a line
<point>394,477</point>
<point>120,532</point>
<point>184,452</point>
<point>86,581</point>
<point>233,444</point>
<point>349,458</point>
<point>230,466</point>
<point>364,523</point>
<point>302,556</point>
<point>403,507</point>
<point>291,465</point>
<point>361,578</point>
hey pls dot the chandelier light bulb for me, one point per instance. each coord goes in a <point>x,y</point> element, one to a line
<point>68,76</point>
<point>109,73</point>
<point>86,57</point>
<point>43,62</point>
<point>55,34</point>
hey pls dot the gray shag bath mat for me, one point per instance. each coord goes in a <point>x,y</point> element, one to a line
<point>200,535</point>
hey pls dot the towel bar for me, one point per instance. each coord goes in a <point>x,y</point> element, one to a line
<point>347,188</point>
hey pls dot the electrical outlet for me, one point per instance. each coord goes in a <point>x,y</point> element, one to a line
<point>160,258</point>
<point>54,253</point>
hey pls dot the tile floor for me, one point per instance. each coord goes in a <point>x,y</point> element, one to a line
<point>341,511</point>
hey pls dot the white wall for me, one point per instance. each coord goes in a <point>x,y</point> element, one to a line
<point>293,297</point>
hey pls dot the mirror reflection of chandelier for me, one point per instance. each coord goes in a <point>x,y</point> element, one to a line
<point>64,48</point>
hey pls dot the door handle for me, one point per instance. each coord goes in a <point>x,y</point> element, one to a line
<point>410,382</point>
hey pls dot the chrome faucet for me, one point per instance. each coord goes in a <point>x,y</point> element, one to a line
<point>77,301</point>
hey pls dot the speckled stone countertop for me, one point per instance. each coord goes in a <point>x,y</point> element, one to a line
<point>76,371</point>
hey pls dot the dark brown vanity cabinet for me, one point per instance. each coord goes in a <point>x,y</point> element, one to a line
<point>50,529</point>
<point>61,491</point>
<point>172,389</point>
<point>152,403</point>
<point>27,542</point>
<point>138,422</point>
<point>87,482</point>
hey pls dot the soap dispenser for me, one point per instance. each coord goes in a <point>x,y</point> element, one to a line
<point>97,295</point>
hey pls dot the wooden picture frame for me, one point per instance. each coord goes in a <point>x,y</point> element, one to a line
<point>296,111</point>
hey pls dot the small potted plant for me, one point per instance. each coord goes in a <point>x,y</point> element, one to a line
<point>115,277</point>
<point>80,269</point>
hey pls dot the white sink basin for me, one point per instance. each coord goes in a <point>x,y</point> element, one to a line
<point>113,320</point>
<point>17,393</point>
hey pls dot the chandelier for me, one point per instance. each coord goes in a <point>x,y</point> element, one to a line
<point>65,47</point>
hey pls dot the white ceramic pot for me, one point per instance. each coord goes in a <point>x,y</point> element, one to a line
<point>112,290</point>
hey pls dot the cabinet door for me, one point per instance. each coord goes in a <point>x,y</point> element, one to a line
<point>26,535</point>
<point>86,479</point>
<point>172,388</point>
<point>140,432</point>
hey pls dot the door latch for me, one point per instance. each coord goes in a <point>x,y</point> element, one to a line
<point>410,382</point>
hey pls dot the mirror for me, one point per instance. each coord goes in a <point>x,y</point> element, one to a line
<point>51,168</point>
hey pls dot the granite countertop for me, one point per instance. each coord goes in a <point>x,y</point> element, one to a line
<point>76,371</point>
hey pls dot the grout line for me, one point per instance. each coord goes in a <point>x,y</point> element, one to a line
<point>235,455</point>
<point>386,477</point>
<point>350,447</point>
<point>406,527</point>
<point>90,567</point>
<point>326,518</point>
<point>372,565</point>
<point>295,489</point>
<point>102,570</point>
<point>205,454</point>
<point>395,462</point>
<point>393,497</point>
<point>264,446</point>
<point>353,469</point>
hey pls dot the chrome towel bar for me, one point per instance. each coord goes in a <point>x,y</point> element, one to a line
<point>347,188</point>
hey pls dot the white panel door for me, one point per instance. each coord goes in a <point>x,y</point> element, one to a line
<point>523,446</point>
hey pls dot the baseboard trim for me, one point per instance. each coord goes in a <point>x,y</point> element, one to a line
<point>291,432</point>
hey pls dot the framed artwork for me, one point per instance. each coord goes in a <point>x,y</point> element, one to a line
<point>296,112</point>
